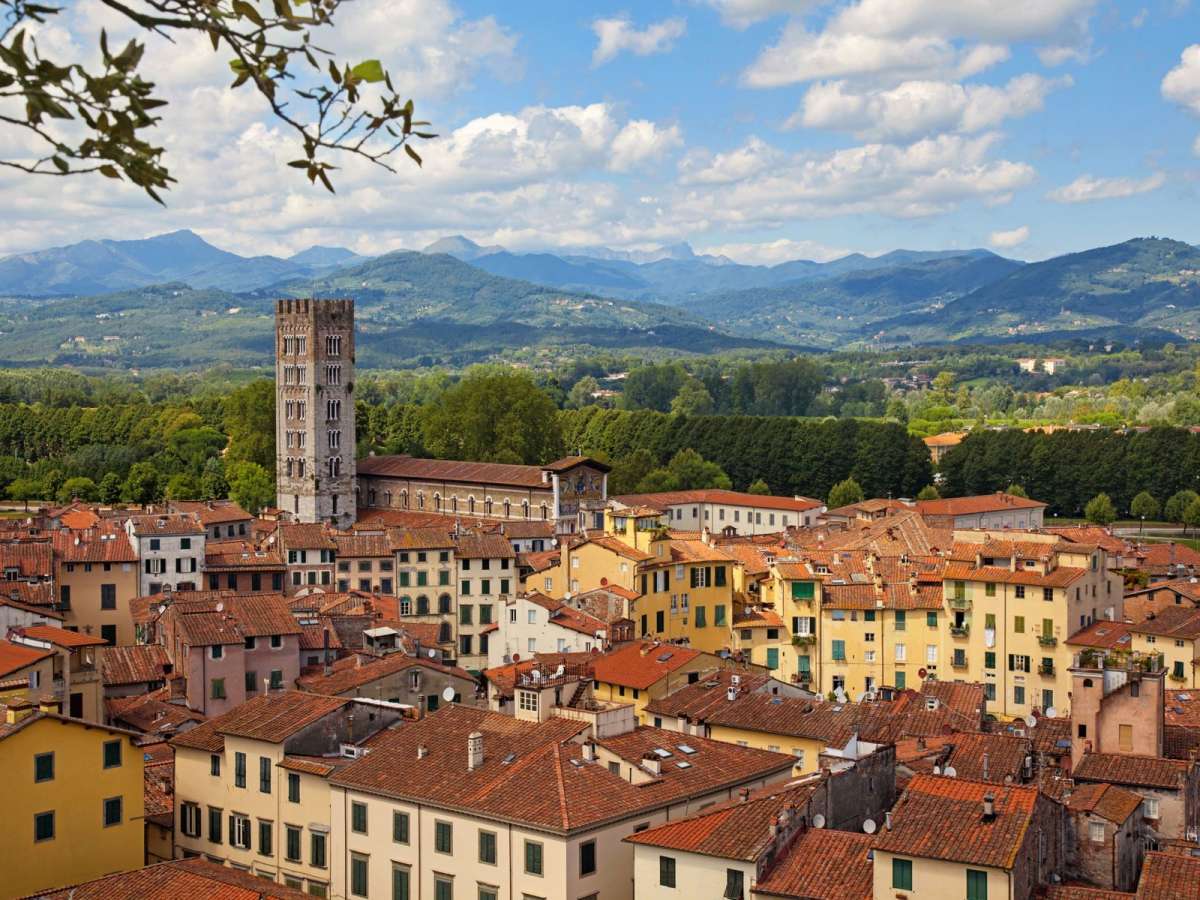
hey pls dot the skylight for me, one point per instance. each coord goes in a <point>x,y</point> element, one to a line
<point>661,753</point>
<point>683,764</point>
<point>684,748</point>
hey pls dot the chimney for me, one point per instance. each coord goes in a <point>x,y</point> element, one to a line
<point>989,807</point>
<point>887,820</point>
<point>422,751</point>
<point>589,751</point>
<point>325,651</point>
<point>744,795</point>
<point>474,750</point>
<point>985,766</point>
<point>652,764</point>
<point>17,711</point>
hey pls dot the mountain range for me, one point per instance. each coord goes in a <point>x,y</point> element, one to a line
<point>176,300</point>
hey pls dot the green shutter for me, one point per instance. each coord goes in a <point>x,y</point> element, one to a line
<point>976,885</point>
<point>902,874</point>
<point>772,657</point>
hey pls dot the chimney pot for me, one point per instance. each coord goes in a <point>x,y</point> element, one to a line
<point>474,750</point>
<point>989,807</point>
<point>422,751</point>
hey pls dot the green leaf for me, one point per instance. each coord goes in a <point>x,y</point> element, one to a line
<point>109,171</point>
<point>413,154</point>
<point>246,11</point>
<point>368,70</point>
<point>334,73</point>
<point>60,164</point>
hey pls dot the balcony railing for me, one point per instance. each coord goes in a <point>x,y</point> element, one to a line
<point>959,603</point>
<point>960,630</point>
<point>1046,670</point>
<point>1047,640</point>
<point>959,662</point>
<point>803,640</point>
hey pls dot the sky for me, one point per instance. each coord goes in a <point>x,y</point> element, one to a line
<point>763,130</point>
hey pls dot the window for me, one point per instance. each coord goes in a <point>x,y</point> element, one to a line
<point>1150,807</point>
<point>443,837</point>
<point>1019,590</point>
<point>976,885</point>
<point>189,819</point>
<point>43,767</point>
<point>1096,832</point>
<point>112,811</point>
<point>931,619</point>
<point>217,688</point>
<point>487,847</point>
<point>358,818</point>
<point>487,892</point>
<point>401,878</point>
<point>214,825</point>
<point>1018,624</point>
<point>239,832</point>
<point>239,769</point>
<point>292,843</point>
<point>587,858</point>
<point>43,826</point>
<point>734,884</point>
<point>266,839</point>
<point>839,651</point>
<point>317,849</point>
<point>666,871</point>
<point>533,858</point>
<point>112,754</point>
<point>358,875</point>
<point>443,887</point>
<point>989,659</point>
<point>902,874</point>
<point>108,596</point>
<point>1125,738</point>
<point>293,780</point>
<point>264,775</point>
<point>901,653</point>
<point>1019,695</point>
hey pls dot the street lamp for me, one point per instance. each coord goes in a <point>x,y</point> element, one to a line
<point>1143,527</point>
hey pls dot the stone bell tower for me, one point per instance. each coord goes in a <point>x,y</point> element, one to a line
<point>314,411</point>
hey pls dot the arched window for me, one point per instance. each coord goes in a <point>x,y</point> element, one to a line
<point>444,633</point>
<point>387,498</point>
<point>437,502</point>
<point>545,512</point>
<point>420,500</point>
<point>471,505</point>
<point>422,605</point>
<point>404,499</point>
<point>524,509</point>
<point>454,503</point>
<point>444,604</point>
<point>507,510</point>
<point>406,605</point>
<point>370,496</point>
<point>487,506</point>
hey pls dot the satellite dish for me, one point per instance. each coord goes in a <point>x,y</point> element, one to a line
<point>448,694</point>
<point>937,770</point>
<point>161,610</point>
<point>869,826</point>
<point>1030,721</point>
<point>220,607</point>
<point>1051,712</point>
<point>860,697</point>
<point>432,653</point>
<point>818,821</point>
<point>950,771</point>
<point>840,695</point>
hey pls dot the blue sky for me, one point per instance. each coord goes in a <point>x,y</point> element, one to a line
<point>762,129</point>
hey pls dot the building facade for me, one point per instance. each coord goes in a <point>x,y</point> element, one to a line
<point>314,412</point>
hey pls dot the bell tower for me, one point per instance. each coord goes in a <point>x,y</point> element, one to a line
<point>314,410</point>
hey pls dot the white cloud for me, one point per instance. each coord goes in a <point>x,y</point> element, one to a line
<point>744,13</point>
<point>1087,188</point>
<point>771,253</point>
<point>752,158</point>
<point>1196,146</point>
<point>1007,239</point>
<point>984,20</point>
<point>1061,54</point>
<point>1182,84</point>
<point>917,108</point>
<point>641,141</point>
<point>618,34</point>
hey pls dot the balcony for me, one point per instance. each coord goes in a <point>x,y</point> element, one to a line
<point>1047,640</point>
<point>1046,670</point>
<point>960,631</point>
<point>960,603</point>
<point>803,640</point>
<point>958,662</point>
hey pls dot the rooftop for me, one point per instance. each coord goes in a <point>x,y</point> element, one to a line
<point>359,669</point>
<point>823,865</point>
<point>178,878</point>
<point>984,503</point>
<point>720,497</point>
<point>1126,769</point>
<point>272,717</point>
<point>640,664</point>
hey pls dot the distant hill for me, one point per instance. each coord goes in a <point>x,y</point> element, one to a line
<point>97,267</point>
<point>1151,283</point>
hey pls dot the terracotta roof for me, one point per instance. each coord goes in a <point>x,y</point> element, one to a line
<point>93,546</point>
<point>823,864</point>
<point>242,616</point>
<point>833,723</point>
<point>619,547</point>
<point>566,616</point>
<point>422,538</point>
<point>226,556</point>
<point>31,559</point>
<point>170,524</point>
<point>570,462</point>
<point>1180,741</point>
<point>1169,876</point>
<point>272,717</point>
<point>945,439</point>
<point>695,550</point>
<point>504,678</point>
<point>1102,634</point>
<point>498,474</point>
<point>739,830</point>
<point>36,595</point>
<point>1105,800</point>
<point>59,637</point>
<point>640,664</point>
<point>361,546</point>
<point>358,670</point>
<point>36,610</point>
<point>984,503</point>
<point>14,657</point>
<point>1139,771</point>
<point>525,529</point>
<point>483,546</point>
<point>942,818</point>
<point>1005,756</point>
<point>534,773</point>
<point>709,692</point>
<point>1171,621</point>
<point>312,637</point>
<point>305,536</point>
<point>133,664</point>
<point>757,618</point>
<point>1091,534</point>
<point>540,560</point>
<point>178,878</point>
<point>1182,708</point>
<point>721,497</point>
<point>321,766</point>
<point>1061,576</point>
<point>152,713</point>
<point>1083,892</point>
<point>1168,553</point>
<point>213,512</point>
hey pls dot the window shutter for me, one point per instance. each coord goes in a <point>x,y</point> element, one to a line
<point>1011,663</point>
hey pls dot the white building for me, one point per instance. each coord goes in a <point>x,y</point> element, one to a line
<point>719,510</point>
<point>170,550</point>
<point>534,623</point>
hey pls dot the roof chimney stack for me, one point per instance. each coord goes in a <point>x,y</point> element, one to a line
<point>474,750</point>
<point>989,807</point>
<point>422,751</point>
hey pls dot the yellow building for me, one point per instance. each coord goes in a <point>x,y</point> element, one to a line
<point>75,682</point>
<point>641,671</point>
<point>73,800</point>
<point>96,577</point>
<point>1012,600</point>
<point>1174,632</point>
<point>251,785</point>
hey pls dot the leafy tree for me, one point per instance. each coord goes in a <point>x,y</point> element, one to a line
<point>141,485</point>
<point>11,469</point>
<point>692,471</point>
<point>929,492</point>
<point>78,488</point>
<point>629,471</point>
<point>250,486</point>
<point>99,117</point>
<point>1100,510</point>
<point>194,446</point>
<point>897,410</point>
<point>212,482</point>
<point>1015,490</point>
<point>25,489</point>
<point>248,417</point>
<point>496,415</point>
<point>1191,515</point>
<point>581,392</point>
<point>1144,506</point>
<point>844,493</point>
<point>1177,505</point>
<point>183,487</point>
<point>110,488</point>
<point>758,486</point>
<point>652,387</point>
<point>692,399</point>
